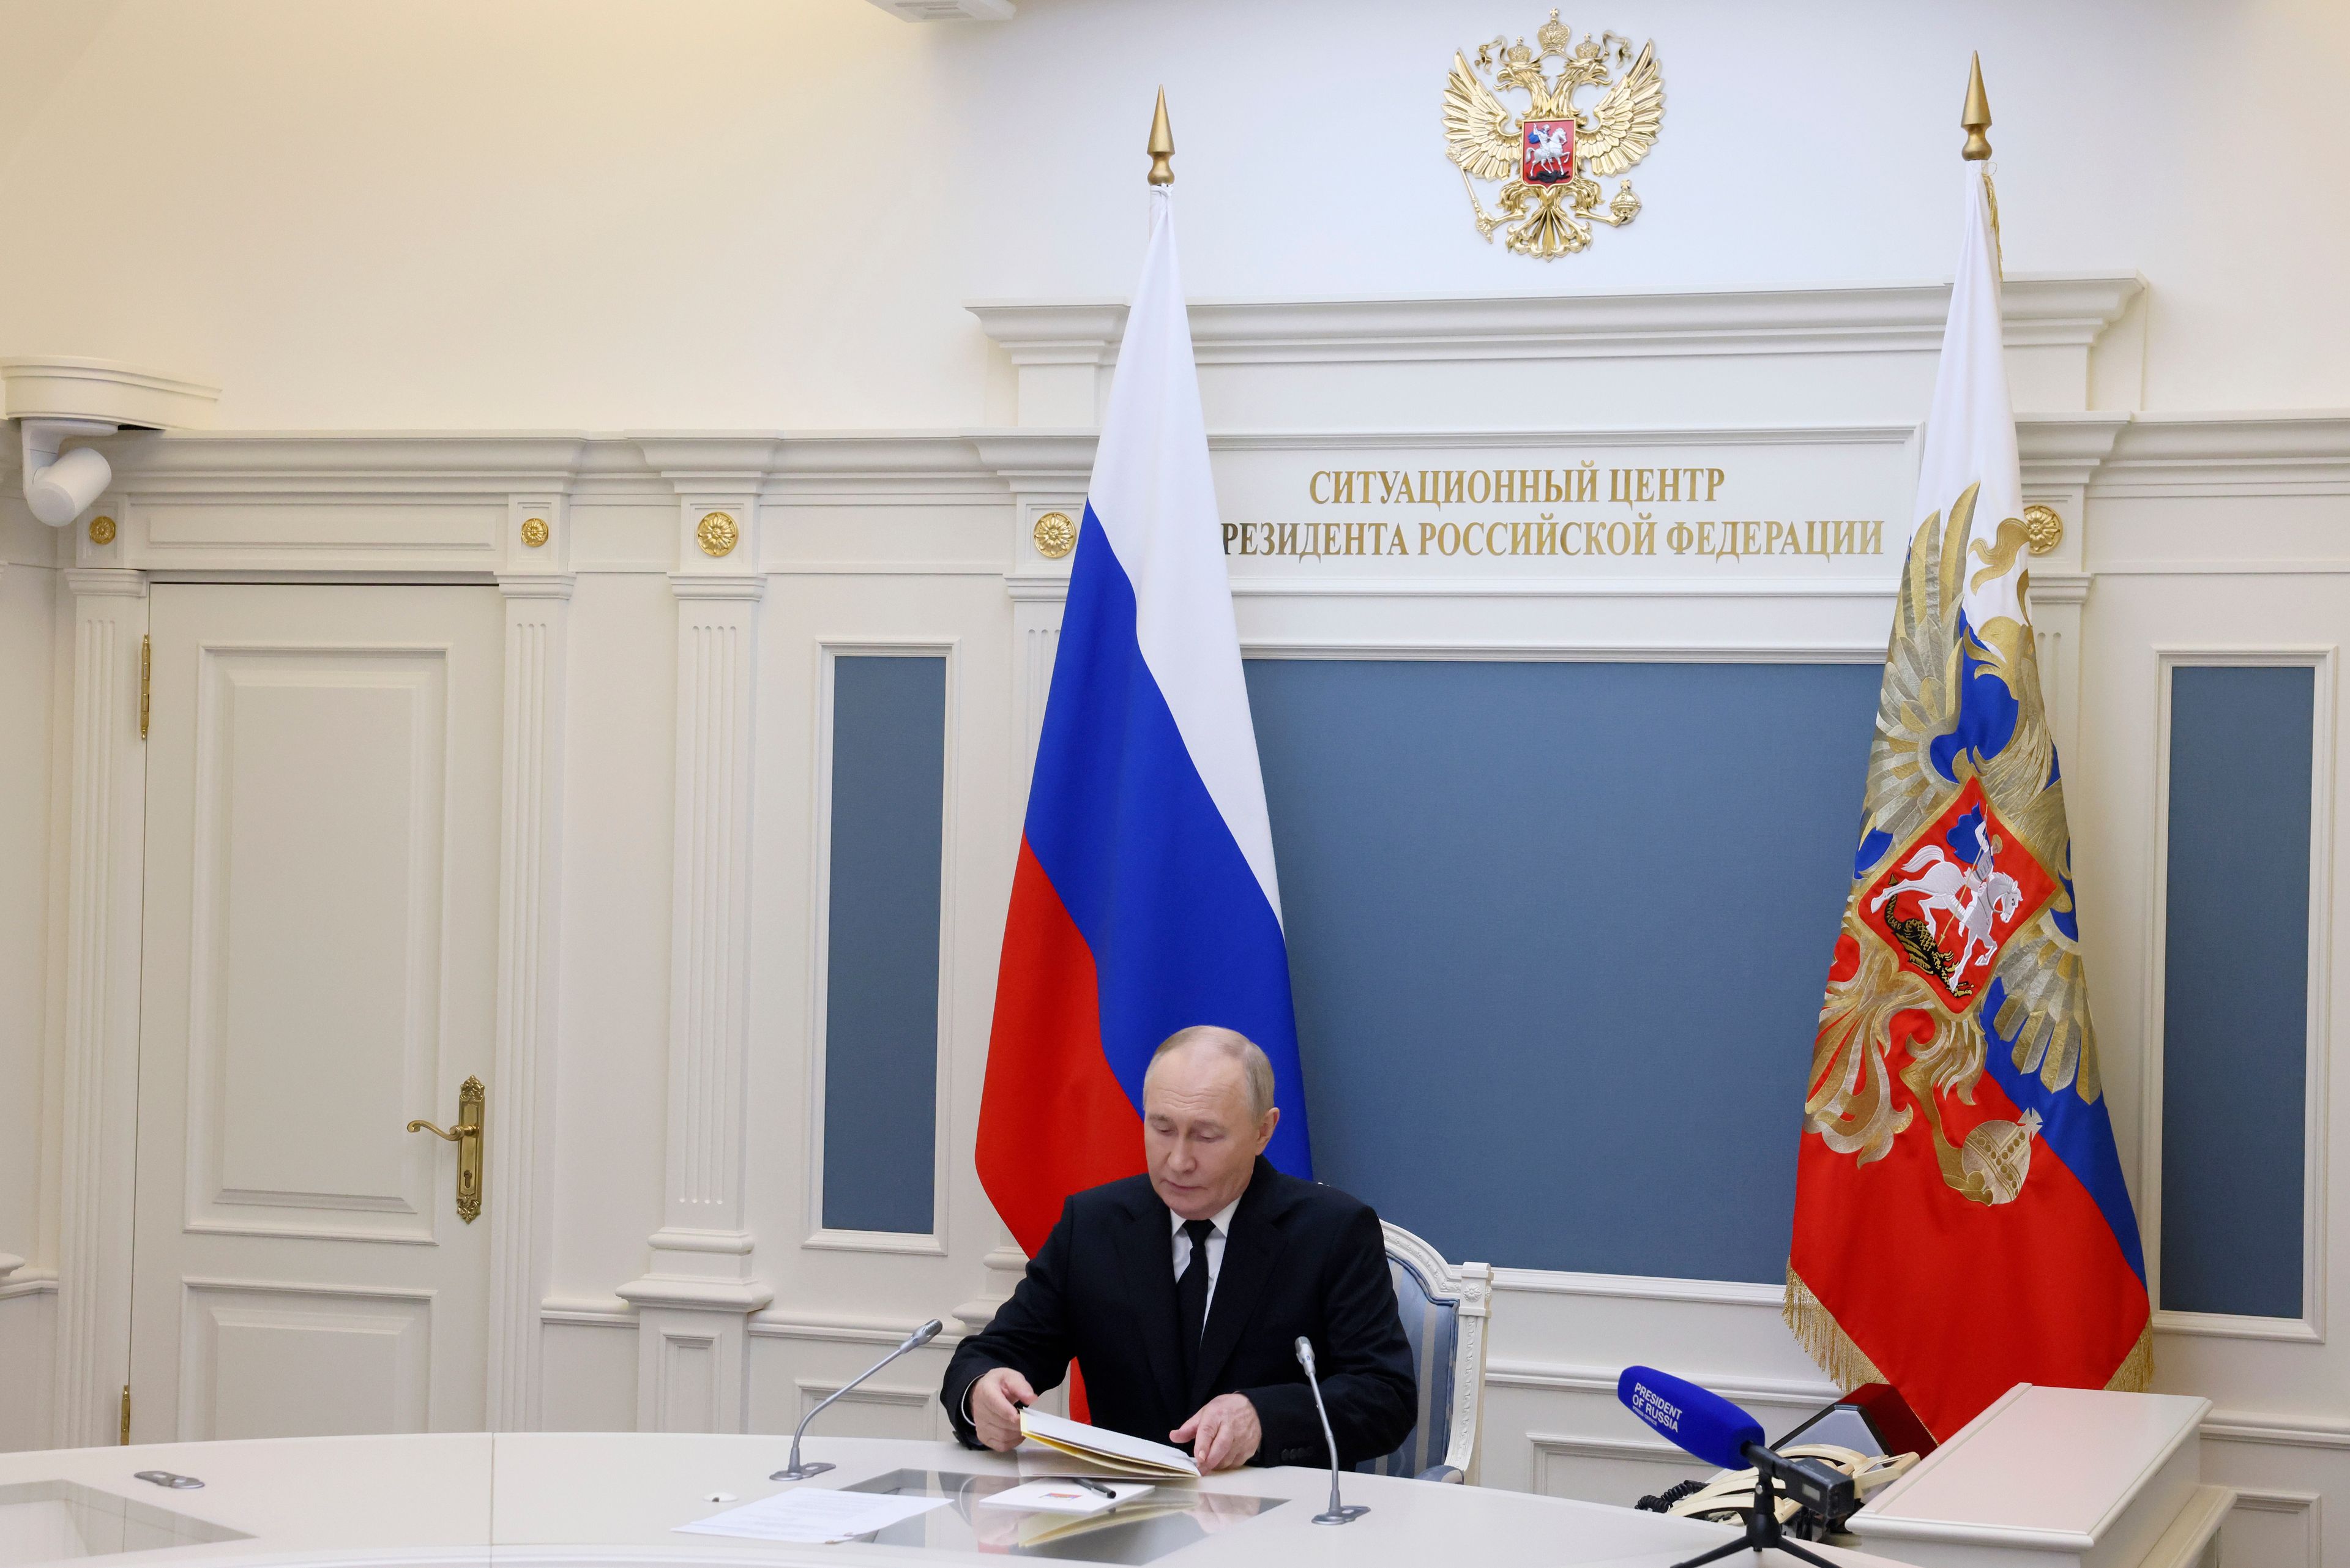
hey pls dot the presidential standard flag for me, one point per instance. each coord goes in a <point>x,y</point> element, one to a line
<point>1961,1220</point>
<point>1144,898</point>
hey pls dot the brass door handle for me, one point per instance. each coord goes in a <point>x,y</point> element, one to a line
<point>467,1135</point>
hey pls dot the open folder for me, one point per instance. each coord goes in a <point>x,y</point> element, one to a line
<point>1099,1446</point>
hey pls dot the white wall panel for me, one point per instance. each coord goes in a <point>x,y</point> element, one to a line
<point>795,1367</point>
<point>295,746</point>
<point>250,1350</point>
<point>817,1275</point>
<point>27,1340</point>
<point>588,1374</point>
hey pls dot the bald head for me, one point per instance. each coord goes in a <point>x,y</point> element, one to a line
<point>1231,1045</point>
<point>1207,1114</point>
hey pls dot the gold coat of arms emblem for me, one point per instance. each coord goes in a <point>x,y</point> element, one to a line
<point>1548,157</point>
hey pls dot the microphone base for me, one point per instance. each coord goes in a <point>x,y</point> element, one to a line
<point>1345,1515</point>
<point>1758,1547</point>
<point>802,1472</point>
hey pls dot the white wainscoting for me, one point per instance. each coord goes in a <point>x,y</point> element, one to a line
<point>637,793</point>
<point>250,1348</point>
<point>28,1330</point>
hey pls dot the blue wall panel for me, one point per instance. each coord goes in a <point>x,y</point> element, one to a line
<point>881,993</point>
<point>2235,1008</point>
<point>1557,935</point>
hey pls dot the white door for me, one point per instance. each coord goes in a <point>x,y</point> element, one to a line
<point>319,969</point>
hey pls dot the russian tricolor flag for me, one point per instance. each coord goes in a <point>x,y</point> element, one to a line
<point>1144,901</point>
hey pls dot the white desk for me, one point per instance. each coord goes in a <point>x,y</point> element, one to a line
<point>614,1499</point>
<point>2056,1477</point>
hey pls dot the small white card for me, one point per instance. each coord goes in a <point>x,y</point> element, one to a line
<point>813,1517</point>
<point>1058,1494</point>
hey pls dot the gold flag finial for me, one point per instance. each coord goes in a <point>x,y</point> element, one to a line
<point>1162,145</point>
<point>1976,119</point>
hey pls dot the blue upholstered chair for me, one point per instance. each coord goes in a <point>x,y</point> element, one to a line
<point>1444,1307</point>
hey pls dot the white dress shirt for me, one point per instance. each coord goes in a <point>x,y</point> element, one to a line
<point>1222,1221</point>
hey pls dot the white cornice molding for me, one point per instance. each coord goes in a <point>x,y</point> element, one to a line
<point>893,468</point>
<point>2061,451</point>
<point>106,583</point>
<point>1039,458</point>
<point>537,584</point>
<point>327,463</point>
<point>2041,310</point>
<point>2110,453</point>
<point>1578,436</point>
<point>2253,453</point>
<point>696,1293</point>
<point>694,463</point>
<point>749,587</point>
<point>57,385</point>
<point>948,10</point>
<point>2059,588</point>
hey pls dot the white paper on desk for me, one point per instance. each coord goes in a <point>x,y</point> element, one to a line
<point>813,1517</point>
<point>1052,1495</point>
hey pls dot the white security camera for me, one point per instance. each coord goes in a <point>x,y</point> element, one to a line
<point>61,488</point>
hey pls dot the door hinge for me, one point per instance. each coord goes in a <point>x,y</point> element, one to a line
<point>146,684</point>
<point>126,1414</point>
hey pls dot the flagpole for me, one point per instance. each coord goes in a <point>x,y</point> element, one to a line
<point>1162,145</point>
<point>1974,119</point>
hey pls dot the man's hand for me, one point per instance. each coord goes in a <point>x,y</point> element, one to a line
<point>1223,1435</point>
<point>992,1409</point>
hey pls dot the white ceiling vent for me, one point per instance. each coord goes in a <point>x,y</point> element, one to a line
<point>948,10</point>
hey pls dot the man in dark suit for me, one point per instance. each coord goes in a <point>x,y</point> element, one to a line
<point>1182,1293</point>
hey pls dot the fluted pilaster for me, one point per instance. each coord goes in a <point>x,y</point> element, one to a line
<point>104,834</point>
<point>530,850</point>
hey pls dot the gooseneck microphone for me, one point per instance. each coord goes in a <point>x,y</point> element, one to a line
<point>1338,1512</point>
<point>799,1471</point>
<point>1702,1423</point>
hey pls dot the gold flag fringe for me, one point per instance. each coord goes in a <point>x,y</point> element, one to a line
<point>2136,1370</point>
<point>1823,1340</point>
<point>1816,1330</point>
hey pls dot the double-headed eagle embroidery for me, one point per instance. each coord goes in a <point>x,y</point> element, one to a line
<point>1958,934</point>
<point>1545,158</point>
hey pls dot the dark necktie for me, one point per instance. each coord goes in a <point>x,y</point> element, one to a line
<point>1192,1294</point>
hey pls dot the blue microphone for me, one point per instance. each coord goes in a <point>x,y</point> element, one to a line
<point>1698,1420</point>
<point>1703,1424</point>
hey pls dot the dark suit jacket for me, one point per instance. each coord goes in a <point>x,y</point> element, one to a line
<point>1300,1258</point>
